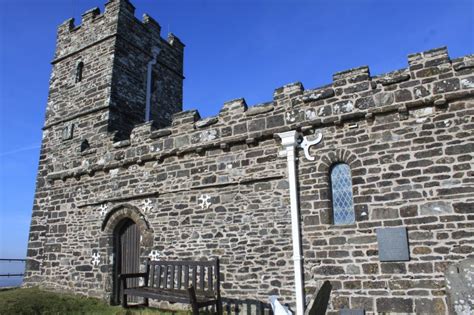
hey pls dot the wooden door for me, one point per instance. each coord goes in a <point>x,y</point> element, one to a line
<point>127,254</point>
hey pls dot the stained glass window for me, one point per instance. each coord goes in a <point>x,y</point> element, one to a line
<point>341,186</point>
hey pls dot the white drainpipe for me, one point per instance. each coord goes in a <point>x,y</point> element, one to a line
<point>155,52</point>
<point>289,143</point>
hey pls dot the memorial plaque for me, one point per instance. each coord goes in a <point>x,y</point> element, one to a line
<point>348,311</point>
<point>393,244</point>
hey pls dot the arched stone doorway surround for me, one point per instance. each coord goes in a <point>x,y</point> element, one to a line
<point>119,225</point>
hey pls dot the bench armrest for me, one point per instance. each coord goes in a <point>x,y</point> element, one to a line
<point>124,276</point>
<point>132,275</point>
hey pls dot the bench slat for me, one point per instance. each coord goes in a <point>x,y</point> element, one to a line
<point>179,276</point>
<point>172,277</point>
<point>194,275</point>
<point>158,273</point>
<point>186,276</point>
<point>209,279</point>
<point>151,276</point>
<point>165,276</point>
<point>201,277</point>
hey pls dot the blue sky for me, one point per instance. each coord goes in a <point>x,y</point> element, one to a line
<point>233,49</point>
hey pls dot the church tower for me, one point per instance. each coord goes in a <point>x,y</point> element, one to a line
<point>110,73</point>
<point>113,72</point>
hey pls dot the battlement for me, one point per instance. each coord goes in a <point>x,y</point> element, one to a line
<point>427,59</point>
<point>96,26</point>
<point>354,95</point>
<point>90,15</point>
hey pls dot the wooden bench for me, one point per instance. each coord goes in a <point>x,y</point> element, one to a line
<point>192,282</point>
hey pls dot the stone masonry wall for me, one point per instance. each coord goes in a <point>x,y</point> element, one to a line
<point>215,187</point>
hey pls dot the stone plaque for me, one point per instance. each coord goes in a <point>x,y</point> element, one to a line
<point>348,311</point>
<point>393,244</point>
<point>67,131</point>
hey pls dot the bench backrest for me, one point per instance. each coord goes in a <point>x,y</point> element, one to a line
<point>180,275</point>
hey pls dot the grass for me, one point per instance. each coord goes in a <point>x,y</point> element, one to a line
<point>35,301</point>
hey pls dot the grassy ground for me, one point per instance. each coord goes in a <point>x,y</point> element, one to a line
<point>35,301</point>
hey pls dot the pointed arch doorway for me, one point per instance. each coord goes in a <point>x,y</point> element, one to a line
<point>126,254</point>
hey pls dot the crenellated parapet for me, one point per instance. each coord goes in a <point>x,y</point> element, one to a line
<point>96,26</point>
<point>431,80</point>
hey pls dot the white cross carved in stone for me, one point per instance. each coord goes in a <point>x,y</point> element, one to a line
<point>95,259</point>
<point>204,201</point>
<point>103,209</point>
<point>147,205</point>
<point>154,255</point>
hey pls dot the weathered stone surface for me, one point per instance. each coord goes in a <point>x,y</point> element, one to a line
<point>464,207</point>
<point>467,83</point>
<point>435,208</point>
<point>446,86</point>
<point>364,103</point>
<point>343,107</point>
<point>206,122</point>
<point>363,303</point>
<point>420,92</point>
<point>393,77</point>
<point>435,306</point>
<point>460,149</point>
<point>329,270</point>
<point>318,95</point>
<point>259,109</point>
<point>275,121</point>
<point>395,305</point>
<point>384,98</point>
<point>460,287</point>
<point>402,95</point>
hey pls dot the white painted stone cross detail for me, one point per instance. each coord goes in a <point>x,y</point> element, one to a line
<point>306,144</point>
<point>95,259</point>
<point>154,255</point>
<point>204,201</point>
<point>147,205</point>
<point>103,209</point>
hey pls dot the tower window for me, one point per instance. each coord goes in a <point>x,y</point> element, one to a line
<point>341,188</point>
<point>79,69</point>
<point>85,145</point>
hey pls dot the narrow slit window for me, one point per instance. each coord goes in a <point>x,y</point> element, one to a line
<point>79,69</point>
<point>341,188</point>
<point>85,145</point>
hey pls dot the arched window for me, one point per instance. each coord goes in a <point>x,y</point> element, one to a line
<point>79,68</point>
<point>341,188</point>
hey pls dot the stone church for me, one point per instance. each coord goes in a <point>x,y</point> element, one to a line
<point>367,182</point>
